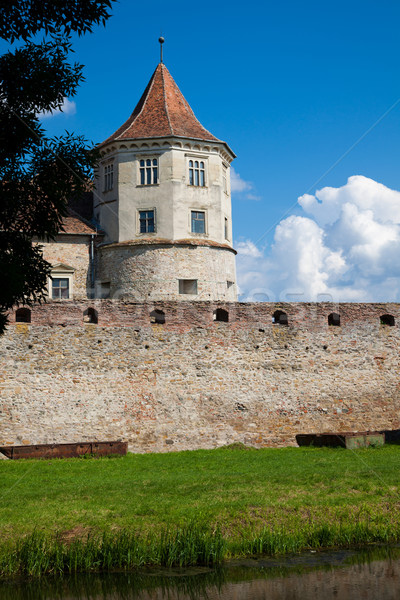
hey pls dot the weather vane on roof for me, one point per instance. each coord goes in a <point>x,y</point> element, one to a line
<point>161,40</point>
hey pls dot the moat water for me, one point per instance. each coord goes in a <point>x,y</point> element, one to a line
<point>372,574</point>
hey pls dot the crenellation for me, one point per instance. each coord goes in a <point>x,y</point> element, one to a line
<point>193,381</point>
<point>186,315</point>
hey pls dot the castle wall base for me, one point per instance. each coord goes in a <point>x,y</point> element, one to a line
<point>153,271</point>
<point>194,382</point>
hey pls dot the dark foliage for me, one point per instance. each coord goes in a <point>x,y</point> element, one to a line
<point>37,174</point>
<point>21,19</point>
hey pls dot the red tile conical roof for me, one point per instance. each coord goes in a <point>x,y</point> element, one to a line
<point>162,111</point>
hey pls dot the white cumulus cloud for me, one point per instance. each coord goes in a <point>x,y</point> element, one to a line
<point>68,107</point>
<point>237,183</point>
<point>248,248</point>
<point>346,247</point>
<point>242,188</point>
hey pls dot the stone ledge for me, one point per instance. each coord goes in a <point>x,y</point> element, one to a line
<point>166,242</point>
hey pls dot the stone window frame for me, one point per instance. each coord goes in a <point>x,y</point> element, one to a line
<point>146,157</point>
<point>189,287</point>
<point>143,209</point>
<point>61,271</point>
<point>225,185</point>
<point>198,210</point>
<point>200,159</point>
<point>108,176</point>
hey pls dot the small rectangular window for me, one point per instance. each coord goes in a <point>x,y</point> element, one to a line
<point>146,221</point>
<point>108,177</point>
<point>224,180</point>
<point>229,284</point>
<point>60,288</point>
<point>198,222</point>
<point>226,229</point>
<point>148,169</point>
<point>188,286</point>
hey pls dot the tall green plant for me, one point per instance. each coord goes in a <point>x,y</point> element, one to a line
<point>38,174</point>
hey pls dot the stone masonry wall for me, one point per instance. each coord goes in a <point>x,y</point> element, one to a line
<point>193,382</point>
<point>153,272</point>
<point>74,252</point>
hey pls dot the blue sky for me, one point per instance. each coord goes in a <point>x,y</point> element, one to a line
<point>292,87</point>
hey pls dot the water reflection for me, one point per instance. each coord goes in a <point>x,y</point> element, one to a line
<point>369,574</point>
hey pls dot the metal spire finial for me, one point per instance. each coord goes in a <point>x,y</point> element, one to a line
<point>161,40</point>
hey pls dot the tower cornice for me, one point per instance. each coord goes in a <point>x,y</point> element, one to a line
<point>156,143</point>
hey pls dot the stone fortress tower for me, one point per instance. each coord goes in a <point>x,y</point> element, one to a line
<point>163,200</point>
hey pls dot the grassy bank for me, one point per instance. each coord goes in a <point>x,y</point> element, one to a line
<point>193,507</point>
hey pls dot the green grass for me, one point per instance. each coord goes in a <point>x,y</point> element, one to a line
<point>194,507</point>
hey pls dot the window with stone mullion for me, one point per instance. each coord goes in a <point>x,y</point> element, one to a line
<point>198,222</point>
<point>146,221</point>
<point>108,177</point>
<point>60,288</point>
<point>148,171</point>
<point>197,173</point>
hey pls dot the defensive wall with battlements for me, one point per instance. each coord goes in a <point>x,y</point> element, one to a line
<point>181,375</point>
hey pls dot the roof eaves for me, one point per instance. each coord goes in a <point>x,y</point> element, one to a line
<point>95,230</point>
<point>181,137</point>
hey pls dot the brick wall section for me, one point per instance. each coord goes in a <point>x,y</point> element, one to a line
<point>183,316</point>
<point>193,382</point>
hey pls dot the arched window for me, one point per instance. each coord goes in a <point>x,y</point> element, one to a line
<point>387,320</point>
<point>221,315</point>
<point>23,315</point>
<point>280,318</point>
<point>157,316</point>
<point>91,316</point>
<point>334,320</point>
